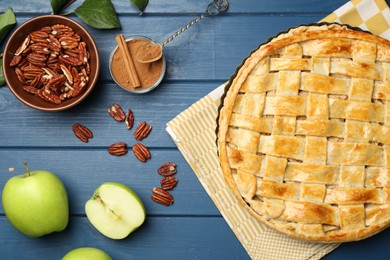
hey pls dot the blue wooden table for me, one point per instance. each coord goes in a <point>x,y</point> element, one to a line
<point>197,62</point>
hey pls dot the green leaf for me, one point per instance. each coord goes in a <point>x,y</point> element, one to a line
<point>99,14</point>
<point>56,5</point>
<point>7,21</point>
<point>2,79</point>
<point>140,4</point>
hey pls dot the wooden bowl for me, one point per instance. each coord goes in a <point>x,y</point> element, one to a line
<point>17,38</point>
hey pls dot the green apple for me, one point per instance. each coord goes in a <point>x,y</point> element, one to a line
<point>36,203</point>
<point>115,210</point>
<point>86,253</point>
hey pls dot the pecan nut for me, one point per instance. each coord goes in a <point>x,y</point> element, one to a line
<point>129,120</point>
<point>69,60</point>
<point>39,36</point>
<point>40,48</point>
<point>60,30</point>
<point>37,81</point>
<point>23,46</point>
<point>116,112</point>
<point>161,196</point>
<point>30,89</point>
<point>68,42</point>
<point>118,149</point>
<point>142,131</point>
<point>50,96</point>
<point>167,169</point>
<point>32,69</point>
<point>73,52</point>
<point>15,60</point>
<point>83,53</point>
<point>54,43</point>
<point>67,73</point>
<point>46,29</point>
<point>36,59</point>
<point>79,84</point>
<point>141,152</point>
<point>168,182</point>
<point>20,76</point>
<point>56,82</point>
<point>82,132</point>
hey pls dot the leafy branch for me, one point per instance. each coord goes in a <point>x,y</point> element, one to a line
<point>99,14</point>
<point>140,4</point>
<point>7,21</point>
<point>59,6</point>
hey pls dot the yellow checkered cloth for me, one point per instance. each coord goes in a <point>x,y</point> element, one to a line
<point>193,131</point>
<point>369,15</point>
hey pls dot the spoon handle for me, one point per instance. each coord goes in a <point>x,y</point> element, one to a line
<point>214,8</point>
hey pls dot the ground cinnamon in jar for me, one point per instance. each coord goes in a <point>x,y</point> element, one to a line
<point>148,73</point>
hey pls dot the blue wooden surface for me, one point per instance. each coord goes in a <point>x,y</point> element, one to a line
<point>198,61</point>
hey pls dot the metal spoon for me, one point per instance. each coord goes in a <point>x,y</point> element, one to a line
<point>152,51</point>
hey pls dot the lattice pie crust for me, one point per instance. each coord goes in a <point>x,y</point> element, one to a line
<point>304,133</point>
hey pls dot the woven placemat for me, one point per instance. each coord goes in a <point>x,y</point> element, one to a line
<point>193,131</point>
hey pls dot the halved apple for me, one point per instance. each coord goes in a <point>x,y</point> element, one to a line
<point>115,210</point>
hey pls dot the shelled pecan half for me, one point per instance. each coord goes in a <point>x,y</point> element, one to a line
<point>168,182</point>
<point>116,112</point>
<point>82,132</point>
<point>167,169</point>
<point>118,149</point>
<point>161,196</point>
<point>129,120</point>
<point>141,152</point>
<point>23,46</point>
<point>142,131</point>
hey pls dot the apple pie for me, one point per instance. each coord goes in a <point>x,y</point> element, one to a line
<point>304,133</point>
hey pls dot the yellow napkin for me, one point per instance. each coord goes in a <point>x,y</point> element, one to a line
<point>369,15</point>
<point>193,131</point>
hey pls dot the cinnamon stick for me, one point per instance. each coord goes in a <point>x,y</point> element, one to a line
<point>129,63</point>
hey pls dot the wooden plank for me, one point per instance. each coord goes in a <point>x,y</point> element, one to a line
<point>23,126</point>
<point>188,6</point>
<point>165,237</point>
<point>83,170</point>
